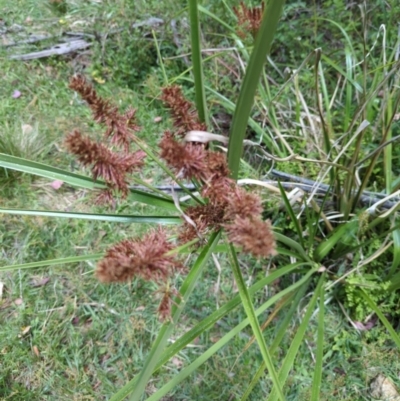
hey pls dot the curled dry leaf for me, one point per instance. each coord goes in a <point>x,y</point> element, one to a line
<point>204,137</point>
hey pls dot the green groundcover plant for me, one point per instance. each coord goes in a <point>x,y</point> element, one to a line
<point>350,252</point>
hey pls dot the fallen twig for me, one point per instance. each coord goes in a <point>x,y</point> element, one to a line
<point>73,41</point>
<point>31,39</point>
<point>59,49</point>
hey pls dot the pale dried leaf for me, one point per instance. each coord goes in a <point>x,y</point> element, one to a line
<point>35,350</point>
<point>40,282</point>
<point>24,330</point>
<point>383,389</point>
<point>204,137</point>
<point>26,129</point>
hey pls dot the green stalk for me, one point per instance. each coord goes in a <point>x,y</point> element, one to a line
<point>245,102</point>
<point>375,157</point>
<point>212,319</point>
<point>301,285</point>
<point>114,218</point>
<point>385,322</point>
<point>260,372</point>
<point>195,39</point>
<point>137,387</point>
<point>297,341</point>
<point>52,262</point>
<point>160,60</point>
<point>316,386</point>
<point>250,312</point>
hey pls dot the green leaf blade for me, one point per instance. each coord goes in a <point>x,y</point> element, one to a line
<point>245,101</point>
<point>114,218</point>
<point>137,387</point>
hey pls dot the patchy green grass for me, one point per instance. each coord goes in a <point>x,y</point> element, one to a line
<point>63,334</point>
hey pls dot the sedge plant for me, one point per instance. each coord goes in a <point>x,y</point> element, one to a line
<point>341,133</point>
<point>344,137</point>
<point>220,214</point>
<point>220,206</point>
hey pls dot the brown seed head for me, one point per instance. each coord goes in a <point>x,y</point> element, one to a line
<point>253,235</point>
<point>183,113</point>
<point>207,218</point>
<point>185,158</point>
<point>111,166</point>
<point>119,127</point>
<point>145,258</point>
<point>249,19</point>
<point>218,190</point>
<point>242,203</point>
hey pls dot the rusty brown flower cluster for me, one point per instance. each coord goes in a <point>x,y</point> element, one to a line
<point>249,19</point>
<point>228,206</point>
<point>119,127</point>
<point>105,163</point>
<point>183,114</point>
<point>146,258</point>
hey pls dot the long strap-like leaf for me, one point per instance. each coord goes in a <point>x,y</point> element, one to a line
<point>250,312</point>
<point>77,180</point>
<point>115,218</point>
<point>227,337</point>
<point>197,61</point>
<point>251,79</point>
<point>138,386</point>
<point>211,320</point>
